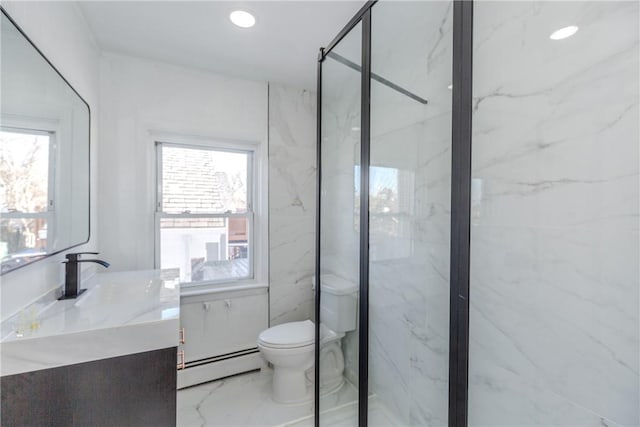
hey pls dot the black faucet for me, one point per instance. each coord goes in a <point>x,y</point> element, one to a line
<point>72,274</point>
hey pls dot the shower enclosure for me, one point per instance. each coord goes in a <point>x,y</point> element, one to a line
<point>479,182</point>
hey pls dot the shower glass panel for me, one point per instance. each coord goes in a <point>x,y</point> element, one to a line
<point>409,223</point>
<point>340,224</point>
<point>554,277</point>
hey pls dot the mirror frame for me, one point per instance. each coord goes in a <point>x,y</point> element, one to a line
<point>48,255</point>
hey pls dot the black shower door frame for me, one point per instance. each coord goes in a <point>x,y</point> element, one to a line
<point>460,211</point>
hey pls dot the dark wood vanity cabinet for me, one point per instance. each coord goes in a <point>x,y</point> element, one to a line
<point>132,390</point>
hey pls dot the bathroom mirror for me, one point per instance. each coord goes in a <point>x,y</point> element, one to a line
<point>44,155</point>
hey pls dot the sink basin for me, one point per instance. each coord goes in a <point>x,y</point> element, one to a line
<point>121,313</point>
<point>117,300</point>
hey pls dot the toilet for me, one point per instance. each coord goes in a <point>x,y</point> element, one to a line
<point>289,347</point>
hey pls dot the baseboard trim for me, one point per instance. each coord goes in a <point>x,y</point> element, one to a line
<point>221,357</point>
<point>217,369</point>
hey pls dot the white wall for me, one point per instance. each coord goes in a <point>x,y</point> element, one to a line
<point>60,32</point>
<point>138,97</point>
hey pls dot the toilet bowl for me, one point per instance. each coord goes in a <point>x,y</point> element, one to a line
<point>290,350</point>
<point>290,347</point>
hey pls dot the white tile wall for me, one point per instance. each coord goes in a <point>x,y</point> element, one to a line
<point>554,274</point>
<point>292,202</point>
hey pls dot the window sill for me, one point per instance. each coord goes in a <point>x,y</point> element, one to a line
<point>206,289</point>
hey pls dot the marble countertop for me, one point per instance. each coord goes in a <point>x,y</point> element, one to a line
<point>120,313</point>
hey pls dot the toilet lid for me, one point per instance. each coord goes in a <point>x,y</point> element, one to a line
<point>288,335</point>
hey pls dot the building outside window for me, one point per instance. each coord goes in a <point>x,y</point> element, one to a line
<point>27,174</point>
<point>204,212</point>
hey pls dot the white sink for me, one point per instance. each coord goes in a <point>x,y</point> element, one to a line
<point>120,313</point>
<point>120,300</point>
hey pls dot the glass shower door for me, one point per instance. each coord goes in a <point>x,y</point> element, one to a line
<point>339,229</point>
<point>409,213</point>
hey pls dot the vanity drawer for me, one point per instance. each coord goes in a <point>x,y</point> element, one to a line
<point>217,325</point>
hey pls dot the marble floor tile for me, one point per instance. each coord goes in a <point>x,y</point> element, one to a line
<point>245,400</point>
<point>346,415</point>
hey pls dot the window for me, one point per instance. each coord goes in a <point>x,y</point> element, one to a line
<point>204,212</point>
<point>26,194</point>
<point>391,211</point>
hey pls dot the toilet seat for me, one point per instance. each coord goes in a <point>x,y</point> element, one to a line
<point>289,335</point>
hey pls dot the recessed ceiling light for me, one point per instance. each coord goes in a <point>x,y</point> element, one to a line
<point>450,87</point>
<point>242,19</point>
<point>355,128</point>
<point>563,33</point>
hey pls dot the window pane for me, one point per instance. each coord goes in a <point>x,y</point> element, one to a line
<point>206,249</point>
<point>203,181</point>
<point>24,172</point>
<point>391,211</point>
<point>22,240</point>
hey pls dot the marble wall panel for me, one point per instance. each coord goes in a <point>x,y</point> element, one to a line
<point>292,202</point>
<point>555,243</point>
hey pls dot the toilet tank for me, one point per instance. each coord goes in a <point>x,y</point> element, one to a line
<point>338,303</point>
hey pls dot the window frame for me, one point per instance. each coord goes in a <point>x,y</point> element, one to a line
<point>47,128</point>
<point>256,207</point>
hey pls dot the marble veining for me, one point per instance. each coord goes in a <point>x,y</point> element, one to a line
<point>409,285</point>
<point>346,415</point>
<point>292,202</point>
<point>555,209</point>
<point>340,146</point>
<point>245,400</point>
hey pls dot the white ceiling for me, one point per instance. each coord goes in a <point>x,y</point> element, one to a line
<point>282,47</point>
